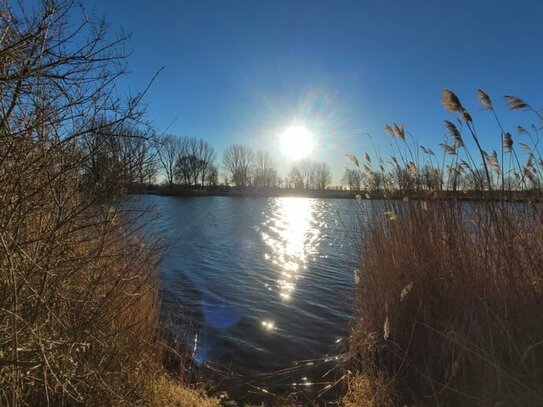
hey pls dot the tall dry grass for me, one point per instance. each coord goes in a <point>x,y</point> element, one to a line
<point>450,293</point>
<point>78,280</point>
<point>79,302</point>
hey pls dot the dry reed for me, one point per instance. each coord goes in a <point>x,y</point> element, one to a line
<point>450,293</point>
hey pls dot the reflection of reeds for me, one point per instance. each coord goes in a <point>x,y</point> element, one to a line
<point>450,294</point>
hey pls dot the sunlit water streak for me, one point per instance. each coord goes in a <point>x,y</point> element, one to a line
<point>291,234</point>
<point>266,281</point>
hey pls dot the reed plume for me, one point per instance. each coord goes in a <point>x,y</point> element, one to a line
<point>515,103</point>
<point>484,99</point>
<point>450,101</point>
<point>449,294</point>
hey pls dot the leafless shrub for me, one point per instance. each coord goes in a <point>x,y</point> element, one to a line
<point>78,288</point>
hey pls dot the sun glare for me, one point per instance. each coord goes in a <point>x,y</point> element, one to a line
<point>296,142</point>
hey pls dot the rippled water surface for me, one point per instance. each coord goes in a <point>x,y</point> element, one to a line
<point>267,281</point>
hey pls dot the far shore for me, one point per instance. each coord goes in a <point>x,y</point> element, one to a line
<point>176,190</point>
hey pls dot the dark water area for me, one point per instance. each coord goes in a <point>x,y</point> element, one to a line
<point>260,288</point>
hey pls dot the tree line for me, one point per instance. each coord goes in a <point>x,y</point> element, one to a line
<point>125,154</point>
<point>192,162</point>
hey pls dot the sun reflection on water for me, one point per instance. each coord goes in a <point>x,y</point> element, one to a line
<point>291,236</point>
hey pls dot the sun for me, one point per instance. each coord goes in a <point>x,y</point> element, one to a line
<point>297,142</point>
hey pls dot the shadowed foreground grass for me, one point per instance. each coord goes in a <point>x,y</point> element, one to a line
<point>450,304</point>
<point>79,293</point>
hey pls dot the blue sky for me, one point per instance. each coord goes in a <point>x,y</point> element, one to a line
<point>240,71</point>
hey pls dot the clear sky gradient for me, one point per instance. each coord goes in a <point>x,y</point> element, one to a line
<point>240,71</point>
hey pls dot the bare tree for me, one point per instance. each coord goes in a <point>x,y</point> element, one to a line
<point>306,174</point>
<point>374,182</point>
<point>194,159</point>
<point>402,177</point>
<point>169,150</point>
<point>183,166</point>
<point>206,160</point>
<point>265,173</point>
<point>212,177</point>
<point>238,161</point>
<point>151,163</point>
<point>305,167</point>
<point>476,181</point>
<point>302,173</point>
<point>119,156</point>
<point>353,179</point>
<point>295,178</point>
<point>431,178</point>
<point>321,175</point>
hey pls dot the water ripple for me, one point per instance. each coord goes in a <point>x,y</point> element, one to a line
<point>268,281</point>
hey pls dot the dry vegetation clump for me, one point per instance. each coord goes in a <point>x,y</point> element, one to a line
<point>450,293</point>
<point>452,301</point>
<point>168,393</point>
<point>368,390</point>
<point>78,283</point>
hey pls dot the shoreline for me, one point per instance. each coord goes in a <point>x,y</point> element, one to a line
<point>252,192</point>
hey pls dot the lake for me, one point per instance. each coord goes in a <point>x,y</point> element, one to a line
<point>259,285</point>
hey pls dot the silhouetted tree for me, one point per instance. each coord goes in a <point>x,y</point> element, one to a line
<point>212,177</point>
<point>320,175</point>
<point>119,156</point>
<point>294,178</point>
<point>265,175</point>
<point>301,174</point>
<point>195,157</point>
<point>476,180</point>
<point>206,160</point>
<point>431,178</point>
<point>353,179</point>
<point>375,182</point>
<point>169,149</point>
<point>238,161</point>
